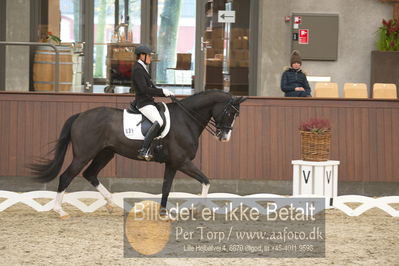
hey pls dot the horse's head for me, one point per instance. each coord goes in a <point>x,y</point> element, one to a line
<point>225,115</point>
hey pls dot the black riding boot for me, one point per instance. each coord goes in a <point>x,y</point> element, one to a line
<point>144,152</point>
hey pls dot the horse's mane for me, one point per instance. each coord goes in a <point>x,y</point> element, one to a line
<point>205,93</point>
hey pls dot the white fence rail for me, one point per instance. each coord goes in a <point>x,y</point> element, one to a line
<point>74,198</point>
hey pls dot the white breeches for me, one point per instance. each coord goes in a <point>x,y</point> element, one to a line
<point>151,112</point>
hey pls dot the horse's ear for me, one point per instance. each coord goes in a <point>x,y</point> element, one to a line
<point>241,99</point>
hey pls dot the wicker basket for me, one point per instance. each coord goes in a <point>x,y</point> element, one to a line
<point>315,146</point>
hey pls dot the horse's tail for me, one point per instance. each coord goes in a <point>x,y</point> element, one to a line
<point>47,170</point>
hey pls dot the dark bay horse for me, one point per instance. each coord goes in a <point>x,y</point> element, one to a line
<point>97,134</point>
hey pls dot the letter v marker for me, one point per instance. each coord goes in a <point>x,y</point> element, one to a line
<point>306,177</point>
<point>328,174</point>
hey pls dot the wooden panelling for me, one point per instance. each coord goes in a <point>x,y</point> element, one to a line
<point>264,141</point>
<point>267,139</point>
<point>30,125</point>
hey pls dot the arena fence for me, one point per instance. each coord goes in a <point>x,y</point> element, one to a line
<point>74,199</point>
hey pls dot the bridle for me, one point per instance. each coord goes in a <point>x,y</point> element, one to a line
<point>213,127</point>
<point>223,125</point>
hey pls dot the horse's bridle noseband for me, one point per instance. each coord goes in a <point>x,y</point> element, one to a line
<point>220,126</point>
<point>213,127</point>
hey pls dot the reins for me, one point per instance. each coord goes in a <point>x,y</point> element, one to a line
<point>210,128</point>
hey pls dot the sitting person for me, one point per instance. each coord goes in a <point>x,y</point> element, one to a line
<point>293,81</point>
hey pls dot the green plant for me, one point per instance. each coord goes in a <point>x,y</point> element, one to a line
<point>389,35</point>
<point>315,125</point>
<point>51,37</point>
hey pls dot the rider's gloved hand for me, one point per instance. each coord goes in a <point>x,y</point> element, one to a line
<point>167,93</point>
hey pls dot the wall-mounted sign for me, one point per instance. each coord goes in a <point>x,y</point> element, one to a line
<point>225,16</point>
<point>295,36</point>
<point>304,36</point>
<point>317,36</point>
<point>297,22</point>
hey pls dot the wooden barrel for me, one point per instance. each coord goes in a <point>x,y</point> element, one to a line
<point>44,65</point>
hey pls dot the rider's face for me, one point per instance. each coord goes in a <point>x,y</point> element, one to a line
<point>146,59</point>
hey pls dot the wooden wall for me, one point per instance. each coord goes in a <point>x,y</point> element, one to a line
<point>264,141</point>
<point>364,138</point>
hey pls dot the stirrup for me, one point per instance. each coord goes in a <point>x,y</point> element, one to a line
<point>144,154</point>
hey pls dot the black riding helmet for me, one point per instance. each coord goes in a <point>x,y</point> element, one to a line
<point>143,49</point>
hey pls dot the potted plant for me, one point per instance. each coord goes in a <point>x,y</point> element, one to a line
<point>315,139</point>
<point>50,38</point>
<point>388,35</point>
<point>384,61</point>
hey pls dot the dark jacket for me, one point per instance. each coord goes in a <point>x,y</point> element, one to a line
<point>143,86</point>
<point>294,78</point>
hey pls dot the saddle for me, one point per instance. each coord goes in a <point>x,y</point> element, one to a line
<point>134,121</point>
<point>145,123</point>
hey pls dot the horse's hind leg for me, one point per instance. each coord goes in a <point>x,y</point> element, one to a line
<point>65,179</point>
<point>98,163</point>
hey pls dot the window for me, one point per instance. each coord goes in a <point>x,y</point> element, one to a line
<point>70,21</point>
<point>176,42</point>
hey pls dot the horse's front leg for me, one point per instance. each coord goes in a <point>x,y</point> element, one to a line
<point>191,170</point>
<point>169,175</point>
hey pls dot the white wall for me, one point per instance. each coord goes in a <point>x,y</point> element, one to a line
<point>358,23</point>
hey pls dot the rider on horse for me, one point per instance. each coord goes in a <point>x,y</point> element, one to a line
<point>145,93</point>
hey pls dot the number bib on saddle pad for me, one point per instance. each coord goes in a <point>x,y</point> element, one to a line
<point>135,126</point>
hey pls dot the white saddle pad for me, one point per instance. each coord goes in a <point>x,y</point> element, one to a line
<point>132,125</point>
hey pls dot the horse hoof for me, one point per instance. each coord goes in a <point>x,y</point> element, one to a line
<point>163,212</point>
<point>110,208</point>
<point>65,217</point>
<point>61,214</point>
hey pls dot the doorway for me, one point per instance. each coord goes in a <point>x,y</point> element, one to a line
<point>224,41</point>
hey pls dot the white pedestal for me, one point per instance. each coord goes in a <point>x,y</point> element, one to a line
<point>315,178</point>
